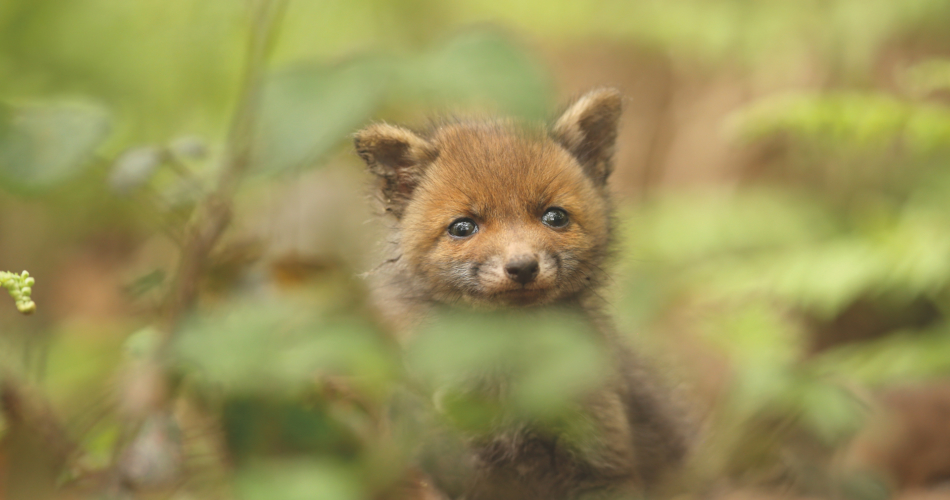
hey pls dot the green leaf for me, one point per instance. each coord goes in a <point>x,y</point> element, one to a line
<point>901,357</point>
<point>864,119</point>
<point>821,278</point>
<point>830,411</point>
<point>44,145</point>
<point>906,257</point>
<point>547,359</point>
<point>269,426</point>
<point>848,120</point>
<point>298,480</point>
<point>275,348</point>
<point>697,224</point>
<point>479,68</point>
<point>755,335</point>
<point>307,110</point>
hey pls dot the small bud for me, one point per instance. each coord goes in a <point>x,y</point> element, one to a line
<point>19,287</point>
<point>189,147</point>
<point>134,168</point>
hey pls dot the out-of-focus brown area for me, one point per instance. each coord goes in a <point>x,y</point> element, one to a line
<point>907,439</point>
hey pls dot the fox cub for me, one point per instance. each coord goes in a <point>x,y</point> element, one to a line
<point>489,215</point>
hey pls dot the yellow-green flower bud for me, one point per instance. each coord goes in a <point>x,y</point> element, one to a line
<point>20,287</point>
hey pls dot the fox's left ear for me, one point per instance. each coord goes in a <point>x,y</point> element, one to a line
<point>398,158</point>
<point>588,129</point>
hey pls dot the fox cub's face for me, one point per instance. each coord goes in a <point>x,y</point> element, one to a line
<point>490,214</point>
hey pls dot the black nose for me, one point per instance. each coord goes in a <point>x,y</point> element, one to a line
<point>522,269</point>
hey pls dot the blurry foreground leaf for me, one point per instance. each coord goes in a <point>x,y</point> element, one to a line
<point>830,411</point>
<point>308,110</point>
<point>275,348</point>
<point>546,359</point>
<point>297,480</point>
<point>41,146</point>
<point>268,426</point>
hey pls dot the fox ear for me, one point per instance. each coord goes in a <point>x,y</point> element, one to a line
<point>397,157</point>
<point>588,129</point>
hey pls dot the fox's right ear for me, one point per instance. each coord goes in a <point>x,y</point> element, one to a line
<point>397,157</point>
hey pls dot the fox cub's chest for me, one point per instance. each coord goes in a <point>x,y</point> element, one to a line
<point>527,464</point>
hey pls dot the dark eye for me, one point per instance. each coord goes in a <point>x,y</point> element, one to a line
<point>555,217</point>
<point>463,228</point>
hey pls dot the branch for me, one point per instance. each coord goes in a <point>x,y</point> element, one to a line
<point>214,213</point>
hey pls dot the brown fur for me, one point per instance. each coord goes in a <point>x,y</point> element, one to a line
<point>504,177</point>
<point>907,439</point>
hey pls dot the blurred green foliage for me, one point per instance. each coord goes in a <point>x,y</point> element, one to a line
<point>551,360</point>
<point>306,109</point>
<point>859,216</point>
<point>294,354</point>
<point>43,145</point>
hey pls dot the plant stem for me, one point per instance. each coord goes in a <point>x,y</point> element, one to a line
<point>213,215</point>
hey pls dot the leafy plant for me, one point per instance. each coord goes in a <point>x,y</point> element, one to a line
<point>854,212</point>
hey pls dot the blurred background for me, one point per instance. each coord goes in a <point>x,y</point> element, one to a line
<point>178,178</point>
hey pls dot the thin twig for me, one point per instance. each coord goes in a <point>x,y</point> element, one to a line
<point>213,215</point>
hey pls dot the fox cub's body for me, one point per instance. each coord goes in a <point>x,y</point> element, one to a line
<point>488,215</point>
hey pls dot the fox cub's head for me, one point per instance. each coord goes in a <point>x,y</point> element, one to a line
<point>492,214</point>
